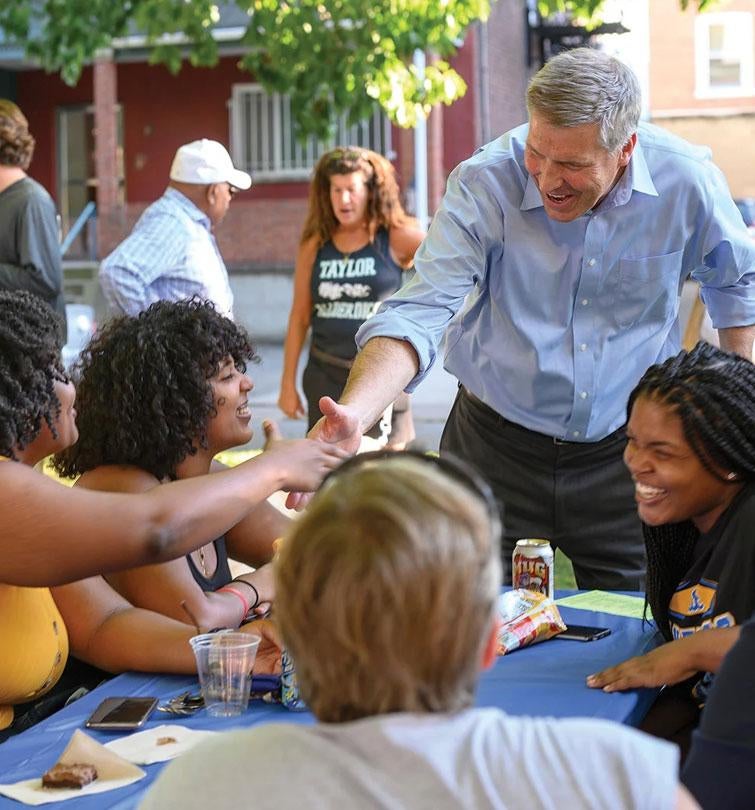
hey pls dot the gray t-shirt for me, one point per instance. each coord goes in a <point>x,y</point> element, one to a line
<point>479,758</point>
<point>29,244</point>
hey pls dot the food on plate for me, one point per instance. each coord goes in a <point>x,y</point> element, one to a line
<point>75,775</point>
<point>166,740</point>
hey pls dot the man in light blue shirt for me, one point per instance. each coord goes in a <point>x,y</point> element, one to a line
<point>172,254</point>
<point>553,270</point>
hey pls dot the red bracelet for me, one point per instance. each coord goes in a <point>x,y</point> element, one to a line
<point>240,596</point>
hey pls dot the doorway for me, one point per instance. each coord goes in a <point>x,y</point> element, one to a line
<point>77,178</point>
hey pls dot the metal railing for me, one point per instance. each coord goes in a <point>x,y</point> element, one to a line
<point>90,210</point>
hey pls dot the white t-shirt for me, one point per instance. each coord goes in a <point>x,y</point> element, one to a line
<point>479,758</point>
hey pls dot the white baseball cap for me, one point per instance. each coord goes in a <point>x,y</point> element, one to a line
<point>207,162</point>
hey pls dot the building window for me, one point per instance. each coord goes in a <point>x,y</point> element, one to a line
<point>723,55</point>
<point>263,141</point>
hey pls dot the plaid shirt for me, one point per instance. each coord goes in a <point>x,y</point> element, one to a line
<point>171,255</point>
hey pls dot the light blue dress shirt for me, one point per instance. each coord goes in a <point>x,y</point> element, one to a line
<point>170,255</point>
<point>553,323</point>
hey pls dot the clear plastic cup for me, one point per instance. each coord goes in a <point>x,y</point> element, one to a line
<point>224,665</point>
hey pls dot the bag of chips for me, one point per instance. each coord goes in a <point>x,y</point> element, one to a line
<point>526,618</point>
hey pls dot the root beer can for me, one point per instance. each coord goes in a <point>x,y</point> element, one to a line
<point>532,566</point>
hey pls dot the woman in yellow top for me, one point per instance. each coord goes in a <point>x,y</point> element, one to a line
<point>51,535</point>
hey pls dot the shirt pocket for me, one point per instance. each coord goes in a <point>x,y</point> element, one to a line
<point>647,290</point>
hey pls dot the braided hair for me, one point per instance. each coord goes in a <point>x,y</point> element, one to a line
<point>30,342</point>
<point>713,394</point>
<point>144,393</point>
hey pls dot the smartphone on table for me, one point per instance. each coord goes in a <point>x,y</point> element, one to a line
<point>122,713</point>
<point>579,632</point>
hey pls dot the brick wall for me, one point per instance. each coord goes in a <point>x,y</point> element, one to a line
<point>729,137</point>
<point>672,58</point>
<point>508,72</point>
<point>255,234</point>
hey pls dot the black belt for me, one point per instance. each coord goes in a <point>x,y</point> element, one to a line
<point>330,359</point>
<point>475,400</point>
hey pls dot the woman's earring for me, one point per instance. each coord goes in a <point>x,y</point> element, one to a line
<point>731,476</point>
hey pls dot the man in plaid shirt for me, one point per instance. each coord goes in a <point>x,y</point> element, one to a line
<point>171,254</point>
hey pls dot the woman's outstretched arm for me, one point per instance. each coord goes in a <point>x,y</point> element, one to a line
<point>52,534</point>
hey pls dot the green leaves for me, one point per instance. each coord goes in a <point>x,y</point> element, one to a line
<point>588,11</point>
<point>343,55</point>
<point>330,56</point>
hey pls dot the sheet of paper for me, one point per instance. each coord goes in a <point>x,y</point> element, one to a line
<point>618,604</point>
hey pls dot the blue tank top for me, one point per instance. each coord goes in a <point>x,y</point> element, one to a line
<point>347,290</point>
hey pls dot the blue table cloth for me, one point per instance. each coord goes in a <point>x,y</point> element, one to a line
<point>547,679</point>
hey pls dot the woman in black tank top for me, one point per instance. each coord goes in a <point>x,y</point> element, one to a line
<point>356,244</point>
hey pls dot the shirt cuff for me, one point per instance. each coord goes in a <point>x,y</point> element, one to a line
<point>730,306</point>
<point>388,324</point>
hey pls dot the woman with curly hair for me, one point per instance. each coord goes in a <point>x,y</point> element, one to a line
<point>29,238</point>
<point>356,244</point>
<point>52,534</point>
<point>691,453</point>
<point>158,397</point>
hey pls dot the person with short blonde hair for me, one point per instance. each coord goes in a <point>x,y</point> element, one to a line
<point>29,234</point>
<point>388,533</point>
<point>386,599</point>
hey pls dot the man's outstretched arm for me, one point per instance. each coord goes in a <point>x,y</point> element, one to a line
<point>738,339</point>
<point>381,371</point>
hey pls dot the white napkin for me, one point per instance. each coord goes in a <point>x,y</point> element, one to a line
<point>157,744</point>
<point>112,772</point>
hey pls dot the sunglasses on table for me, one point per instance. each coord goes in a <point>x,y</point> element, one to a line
<point>457,470</point>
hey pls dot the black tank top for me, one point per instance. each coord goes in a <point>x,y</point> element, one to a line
<point>222,574</point>
<point>347,290</point>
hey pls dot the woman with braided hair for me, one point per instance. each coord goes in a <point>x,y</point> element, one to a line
<point>691,452</point>
<point>51,534</point>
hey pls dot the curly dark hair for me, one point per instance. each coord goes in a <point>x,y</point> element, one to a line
<point>16,142</point>
<point>30,342</point>
<point>384,208</point>
<point>713,393</point>
<point>143,387</point>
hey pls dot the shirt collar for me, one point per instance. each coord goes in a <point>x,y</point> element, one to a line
<point>635,178</point>
<point>174,196</point>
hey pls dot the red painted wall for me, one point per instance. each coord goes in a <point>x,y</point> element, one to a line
<point>39,94</point>
<point>459,119</point>
<point>160,112</point>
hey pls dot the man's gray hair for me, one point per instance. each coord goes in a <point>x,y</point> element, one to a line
<point>585,86</point>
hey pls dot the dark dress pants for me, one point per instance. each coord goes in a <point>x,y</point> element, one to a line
<point>578,495</point>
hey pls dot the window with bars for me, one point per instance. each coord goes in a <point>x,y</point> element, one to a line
<point>264,143</point>
<point>724,55</point>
